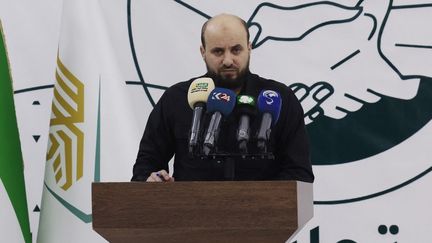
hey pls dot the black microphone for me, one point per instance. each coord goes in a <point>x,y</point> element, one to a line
<point>220,102</point>
<point>197,96</point>
<point>269,104</point>
<point>246,109</point>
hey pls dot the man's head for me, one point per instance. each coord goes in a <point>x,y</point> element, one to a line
<point>226,49</point>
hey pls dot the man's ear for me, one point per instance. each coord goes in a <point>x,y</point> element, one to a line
<point>202,50</point>
<point>249,46</point>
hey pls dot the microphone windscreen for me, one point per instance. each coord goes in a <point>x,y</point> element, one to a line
<point>222,100</point>
<point>270,101</point>
<point>199,91</point>
<point>246,105</point>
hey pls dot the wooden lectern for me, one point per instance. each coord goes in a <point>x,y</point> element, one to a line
<point>225,211</point>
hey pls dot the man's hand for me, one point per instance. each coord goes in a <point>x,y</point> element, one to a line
<point>160,176</point>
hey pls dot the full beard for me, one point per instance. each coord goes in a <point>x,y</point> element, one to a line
<point>225,81</point>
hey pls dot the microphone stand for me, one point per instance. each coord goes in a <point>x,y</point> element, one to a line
<point>202,152</point>
<point>229,168</point>
<point>229,160</point>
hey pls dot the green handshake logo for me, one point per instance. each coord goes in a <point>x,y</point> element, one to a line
<point>246,100</point>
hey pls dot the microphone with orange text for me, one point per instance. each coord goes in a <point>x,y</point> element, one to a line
<point>220,103</point>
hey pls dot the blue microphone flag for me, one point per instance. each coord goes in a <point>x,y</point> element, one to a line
<point>270,101</point>
<point>221,100</point>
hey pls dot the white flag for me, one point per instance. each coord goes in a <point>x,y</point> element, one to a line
<point>89,100</point>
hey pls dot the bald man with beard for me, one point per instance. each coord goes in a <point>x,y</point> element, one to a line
<point>225,49</point>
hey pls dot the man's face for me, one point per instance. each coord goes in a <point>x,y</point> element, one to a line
<point>226,53</point>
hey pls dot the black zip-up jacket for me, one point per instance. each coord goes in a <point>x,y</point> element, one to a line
<point>168,127</point>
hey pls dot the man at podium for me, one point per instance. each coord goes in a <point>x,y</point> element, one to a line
<point>241,126</point>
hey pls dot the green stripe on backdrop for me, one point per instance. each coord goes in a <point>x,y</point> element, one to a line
<point>11,161</point>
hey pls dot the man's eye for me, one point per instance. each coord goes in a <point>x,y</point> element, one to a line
<point>236,50</point>
<point>217,52</point>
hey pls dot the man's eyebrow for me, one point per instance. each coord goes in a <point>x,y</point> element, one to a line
<point>216,48</point>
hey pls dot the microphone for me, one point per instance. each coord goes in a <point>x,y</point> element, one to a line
<point>221,103</point>
<point>197,96</point>
<point>246,109</point>
<point>269,104</point>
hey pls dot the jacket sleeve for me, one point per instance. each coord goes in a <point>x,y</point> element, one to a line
<point>157,144</point>
<point>292,145</point>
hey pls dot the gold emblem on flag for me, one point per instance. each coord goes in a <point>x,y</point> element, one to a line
<point>66,140</point>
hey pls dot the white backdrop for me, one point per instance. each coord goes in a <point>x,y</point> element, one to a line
<point>361,69</point>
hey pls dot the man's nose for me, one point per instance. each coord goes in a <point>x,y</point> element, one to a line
<point>228,60</point>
